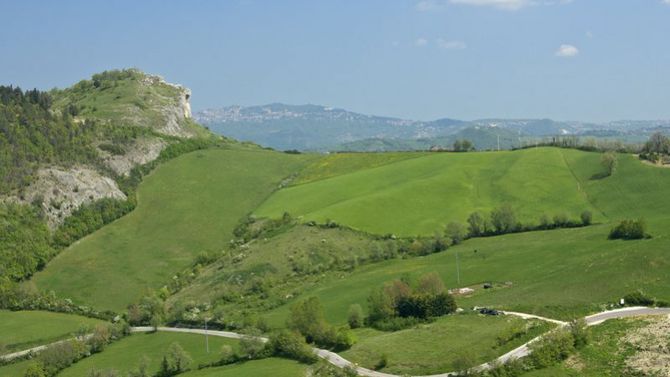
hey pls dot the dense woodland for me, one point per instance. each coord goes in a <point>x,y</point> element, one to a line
<point>32,133</point>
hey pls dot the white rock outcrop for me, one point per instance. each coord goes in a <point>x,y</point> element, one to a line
<point>62,191</point>
<point>142,151</point>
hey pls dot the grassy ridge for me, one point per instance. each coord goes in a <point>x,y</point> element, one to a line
<point>25,329</point>
<point>187,206</point>
<point>421,195</point>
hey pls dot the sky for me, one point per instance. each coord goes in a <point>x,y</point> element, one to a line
<point>588,60</point>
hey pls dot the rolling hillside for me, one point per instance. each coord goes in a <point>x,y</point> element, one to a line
<point>186,207</point>
<point>420,196</point>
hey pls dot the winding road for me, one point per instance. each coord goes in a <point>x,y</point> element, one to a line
<point>339,361</point>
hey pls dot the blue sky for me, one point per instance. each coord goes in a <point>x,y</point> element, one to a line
<point>592,60</point>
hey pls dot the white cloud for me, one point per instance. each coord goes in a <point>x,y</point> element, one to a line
<point>451,45</point>
<point>567,51</point>
<point>420,42</point>
<point>428,5</point>
<point>433,5</point>
<point>501,4</point>
<point>665,1</point>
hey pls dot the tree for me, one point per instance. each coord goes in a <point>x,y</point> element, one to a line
<point>142,368</point>
<point>430,284</point>
<point>307,318</point>
<point>609,161</point>
<point>503,219</point>
<point>178,359</point>
<point>476,224</point>
<point>658,143</point>
<point>100,337</point>
<point>252,347</point>
<point>290,344</point>
<point>463,145</point>
<point>355,317</point>
<point>380,306</point>
<point>629,230</point>
<point>586,217</point>
<point>35,370</point>
<point>456,232</point>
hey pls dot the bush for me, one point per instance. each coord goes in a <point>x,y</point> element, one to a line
<point>355,317</point>
<point>291,345</point>
<point>580,333</point>
<point>586,217</point>
<point>381,363</point>
<point>552,349</point>
<point>629,230</point>
<point>638,299</point>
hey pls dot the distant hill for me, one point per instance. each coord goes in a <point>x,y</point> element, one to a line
<point>483,138</point>
<point>312,127</point>
<point>321,128</point>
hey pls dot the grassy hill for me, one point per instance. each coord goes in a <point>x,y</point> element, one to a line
<point>419,196</point>
<point>188,206</point>
<point>561,273</point>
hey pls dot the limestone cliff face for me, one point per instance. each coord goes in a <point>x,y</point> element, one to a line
<point>61,191</point>
<point>138,100</point>
<point>173,105</point>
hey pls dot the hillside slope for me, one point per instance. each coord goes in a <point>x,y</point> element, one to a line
<point>188,206</point>
<point>421,195</point>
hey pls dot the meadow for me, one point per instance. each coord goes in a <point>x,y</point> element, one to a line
<point>266,367</point>
<point>450,343</point>
<point>419,196</point>
<point>187,206</point>
<point>562,273</point>
<point>25,329</point>
<point>125,355</point>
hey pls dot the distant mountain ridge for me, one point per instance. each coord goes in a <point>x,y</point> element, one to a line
<point>321,128</point>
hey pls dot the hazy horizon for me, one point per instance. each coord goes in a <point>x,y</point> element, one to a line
<point>567,60</point>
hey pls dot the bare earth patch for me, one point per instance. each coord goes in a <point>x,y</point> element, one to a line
<point>652,348</point>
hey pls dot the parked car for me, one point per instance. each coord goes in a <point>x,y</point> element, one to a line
<point>488,311</point>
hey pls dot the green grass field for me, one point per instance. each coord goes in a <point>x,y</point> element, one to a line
<point>266,367</point>
<point>25,329</point>
<point>125,354</point>
<point>187,206</point>
<point>562,273</point>
<point>421,195</point>
<point>440,346</point>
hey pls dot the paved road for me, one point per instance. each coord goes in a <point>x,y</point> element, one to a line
<point>599,318</point>
<point>339,361</point>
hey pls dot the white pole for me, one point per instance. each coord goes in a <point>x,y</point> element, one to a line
<point>458,272</point>
<point>206,337</point>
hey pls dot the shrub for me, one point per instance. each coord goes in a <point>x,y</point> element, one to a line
<point>638,298</point>
<point>552,349</point>
<point>456,232</point>
<point>355,317</point>
<point>586,217</point>
<point>381,363</point>
<point>580,333</point>
<point>629,230</point>
<point>291,345</point>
